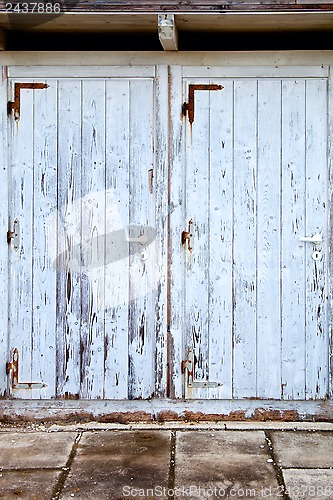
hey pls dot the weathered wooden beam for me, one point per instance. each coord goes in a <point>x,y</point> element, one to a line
<point>2,39</point>
<point>315,2</point>
<point>167,31</point>
<point>179,6</point>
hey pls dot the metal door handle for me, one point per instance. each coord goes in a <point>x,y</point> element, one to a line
<point>316,239</point>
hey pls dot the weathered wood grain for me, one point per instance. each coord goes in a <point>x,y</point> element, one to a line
<point>160,192</point>
<point>141,214</point>
<point>262,19</point>
<point>316,198</point>
<point>305,63</point>
<point>268,240</point>
<point>221,238</point>
<point>196,261</point>
<point>176,259</point>
<point>21,261</point>
<point>175,6</point>
<point>69,225</point>
<point>117,217</point>
<point>4,212</point>
<point>293,250</point>
<point>245,238</point>
<point>250,172</point>
<point>93,240</point>
<point>268,208</point>
<point>44,238</point>
<point>330,235</point>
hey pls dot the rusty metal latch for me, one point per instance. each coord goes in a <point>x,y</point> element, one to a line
<point>187,235</point>
<point>188,371</point>
<point>13,369</point>
<point>188,107</point>
<point>14,236</point>
<point>16,104</point>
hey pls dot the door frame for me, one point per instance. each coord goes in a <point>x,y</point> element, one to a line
<point>302,410</point>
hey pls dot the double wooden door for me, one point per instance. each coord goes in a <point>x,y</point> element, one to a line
<point>157,249</point>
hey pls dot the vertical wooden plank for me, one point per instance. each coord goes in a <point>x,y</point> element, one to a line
<point>141,214</point>
<point>44,239</point>
<point>293,250</point>
<point>4,179</point>
<point>245,200</point>
<point>316,217</point>
<point>176,278</point>
<point>196,199</point>
<point>329,247</point>
<point>93,239</point>
<point>221,230</point>
<point>69,231</point>
<point>116,219</point>
<point>21,272</point>
<point>268,240</point>
<point>160,191</point>
<point>196,262</point>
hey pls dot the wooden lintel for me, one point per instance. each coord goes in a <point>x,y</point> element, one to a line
<point>167,31</point>
<point>2,39</point>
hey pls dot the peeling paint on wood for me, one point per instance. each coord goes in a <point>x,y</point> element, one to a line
<point>79,160</point>
<point>254,301</point>
<point>248,298</point>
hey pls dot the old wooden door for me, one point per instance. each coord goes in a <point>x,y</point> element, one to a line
<point>249,182</point>
<point>85,253</point>
<point>246,304</point>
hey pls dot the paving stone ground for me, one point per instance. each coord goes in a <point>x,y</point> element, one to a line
<point>175,463</point>
<point>113,465</point>
<point>229,463</point>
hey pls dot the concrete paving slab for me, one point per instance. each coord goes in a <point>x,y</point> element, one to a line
<point>292,426</point>
<point>35,450</point>
<point>28,485</point>
<point>226,425</point>
<point>226,464</point>
<point>303,449</point>
<point>302,484</point>
<point>119,464</point>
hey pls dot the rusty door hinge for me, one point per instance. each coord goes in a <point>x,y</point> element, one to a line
<point>16,104</point>
<point>13,369</point>
<point>188,107</point>
<point>188,372</point>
